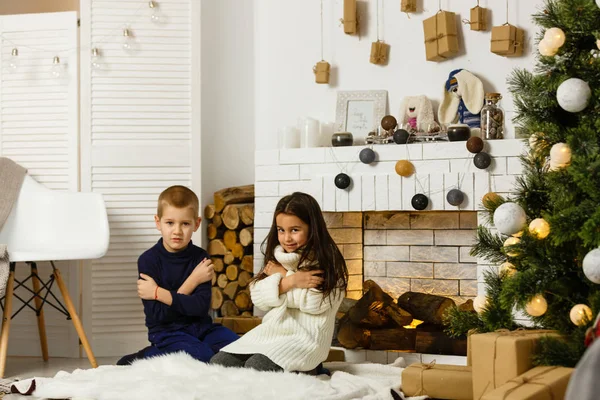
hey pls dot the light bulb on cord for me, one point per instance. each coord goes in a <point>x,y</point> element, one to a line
<point>95,62</point>
<point>57,67</point>
<point>580,314</point>
<point>14,59</point>
<point>155,16</point>
<point>539,228</point>
<point>127,40</point>
<point>537,306</point>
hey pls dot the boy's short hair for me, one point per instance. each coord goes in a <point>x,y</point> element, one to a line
<point>179,197</point>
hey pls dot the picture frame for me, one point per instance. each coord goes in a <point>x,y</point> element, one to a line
<point>360,112</point>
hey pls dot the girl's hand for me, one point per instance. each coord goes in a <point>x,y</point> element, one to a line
<point>307,279</point>
<point>204,271</point>
<point>146,287</point>
<point>273,268</point>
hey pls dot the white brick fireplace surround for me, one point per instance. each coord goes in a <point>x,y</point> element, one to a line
<point>439,168</point>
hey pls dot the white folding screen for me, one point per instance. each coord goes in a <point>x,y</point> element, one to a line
<point>140,134</point>
<point>39,111</point>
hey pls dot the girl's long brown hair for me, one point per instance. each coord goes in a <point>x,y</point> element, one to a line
<point>319,247</point>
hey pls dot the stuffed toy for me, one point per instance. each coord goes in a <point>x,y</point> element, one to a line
<point>463,99</point>
<point>417,112</point>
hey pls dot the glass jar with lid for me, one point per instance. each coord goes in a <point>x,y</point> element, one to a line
<point>492,117</point>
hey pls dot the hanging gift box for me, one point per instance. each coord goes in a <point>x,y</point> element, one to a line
<point>321,71</point>
<point>441,41</point>
<point>478,19</point>
<point>507,40</point>
<point>350,19</point>
<point>379,52</point>
<point>408,6</point>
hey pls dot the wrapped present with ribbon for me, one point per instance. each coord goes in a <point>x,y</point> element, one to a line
<point>540,383</point>
<point>350,19</point>
<point>438,381</point>
<point>408,6</point>
<point>321,71</point>
<point>507,40</point>
<point>379,52</point>
<point>478,20</point>
<point>441,41</point>
<point>500,356</point>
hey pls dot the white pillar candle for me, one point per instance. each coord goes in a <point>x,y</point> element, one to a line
<point>309,133</point>
<point>289,137</point>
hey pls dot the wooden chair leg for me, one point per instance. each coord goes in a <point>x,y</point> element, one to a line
<point>75,318</point>
<point>6,320</point>
<point>40,317</point>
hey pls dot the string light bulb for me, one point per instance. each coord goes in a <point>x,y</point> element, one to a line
<point>508,269</point>
<point>511,241</point>
<point>155,15</point>
<point>95,62</point>
<point>57,68</point>
<point>127,41</point>
<point>580,314</point>
<point>539,228</point>
<point>14,59</point>
<point>537,306</point>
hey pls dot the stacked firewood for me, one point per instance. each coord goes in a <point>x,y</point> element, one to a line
<point>230,236</point>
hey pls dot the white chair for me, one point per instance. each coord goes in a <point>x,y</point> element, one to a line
<point>48,225</point>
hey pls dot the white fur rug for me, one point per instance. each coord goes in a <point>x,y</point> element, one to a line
<point>178,376</point>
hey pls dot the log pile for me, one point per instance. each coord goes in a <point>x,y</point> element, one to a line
<point>376,322</point>
<point>230,236</point>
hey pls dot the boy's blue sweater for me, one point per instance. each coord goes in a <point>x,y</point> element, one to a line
<point>170,270</point>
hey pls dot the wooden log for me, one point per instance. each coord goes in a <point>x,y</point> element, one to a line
<point>246,236</point>
<point>209,211</point>
<point>216,247</point>
<point>232,272</point>
<point>231,290</point>
<point>211,231</point>
<point>246,314</point>
<point>244,278</point>
<point>222,281</point>
<point>231,217</point>
<point>431,339</point>
<point>467,306</point>
<point>346,305</point>
<point>218,264</point>
<point>229,309</point>
<point>238,251</point>
<point>376,307</point>
<point>233,195</point>
<point>426,307</point>
<point>216,300</point>
<point>247,264</point>
<point>354,336</point>
<point>217,220</point>
<point>213,280</point>
<point>247,214</point>
<point>242,300</point>
<point>230,238</point>
<point>229,258</point>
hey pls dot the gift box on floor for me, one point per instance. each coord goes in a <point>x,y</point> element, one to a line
<point>507,40</point>
<point>438,381</point>
<point>498,357</point>
<point>441,41</point>
<point>540,383</point>
<point>239,325</point>
<point>478,19</point>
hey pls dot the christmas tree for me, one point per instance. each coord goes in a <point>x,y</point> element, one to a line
<point>546,236</point>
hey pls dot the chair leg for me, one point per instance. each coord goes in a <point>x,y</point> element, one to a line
<point>6,320</point>
<point>75,318</point>
<point>40,317</point>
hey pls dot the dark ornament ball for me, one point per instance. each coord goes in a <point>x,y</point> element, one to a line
<point>482,160</point>
<point>401,136</point>
<point>455,197</point>
<point>367,156</point>
<point>475,144</point>
<point>342,181</point>
<point>419,202</point>
<point>388,122</point>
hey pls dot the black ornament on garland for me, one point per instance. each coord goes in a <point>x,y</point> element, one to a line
<point>367,156</point>
<point>482,160</point>
<point>342,181</point>
<point>455,197</point>
<point>401,136</point>
<point>419,202</point>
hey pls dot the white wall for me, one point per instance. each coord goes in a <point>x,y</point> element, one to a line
<point>287,40</point>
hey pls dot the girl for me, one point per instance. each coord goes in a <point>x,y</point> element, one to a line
<point>301,286</point>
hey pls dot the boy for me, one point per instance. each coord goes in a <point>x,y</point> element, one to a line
<point>175,285</point>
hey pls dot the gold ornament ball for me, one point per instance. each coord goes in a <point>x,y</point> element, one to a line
<point>546,49</point>
<point>555,37</point>
<point>510,242</point>
<point>405,168</point>
<point>580,314</point>
<point>490,197</point>
<point>518,234</point>
<point>560,153</point>
<point>508,268</point>
<point>539,228</point>
<point>537,306</point>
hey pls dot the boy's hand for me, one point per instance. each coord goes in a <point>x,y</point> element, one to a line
<point>273,268</point>
<point>146,287</point>
<point>204,271</point>
<point>307,279</point>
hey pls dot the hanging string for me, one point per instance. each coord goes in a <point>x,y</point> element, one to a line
<point>440,5</point>
<point>322,59</point>
<point>507,11</point>
<point>378,20</point>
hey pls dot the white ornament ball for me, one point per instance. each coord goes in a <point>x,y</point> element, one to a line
<point>598,44</point>
<point>591,265</point>
<point>479,303</point>
<point>508,268</point>
<point>546,49</point>
<point>510,242</point>
<point>537,306</point>
<point>555,37</point>
<point>539,228</point>
<point>560,153</point>
<point>598,3</point>
<point>573,95</point>
<point>580,314</point>
<point>509,218</point>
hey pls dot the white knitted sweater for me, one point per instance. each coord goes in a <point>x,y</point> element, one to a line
<point>296,332</point>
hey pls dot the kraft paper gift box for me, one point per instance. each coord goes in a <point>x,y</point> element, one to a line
<point>438,381</point>
<point>379,52</point>
<point>507,40</point>
<point>478,19</point>
<point>441,41</point>
<point>408,6</point>
<point>350,17</point>
<point>498,357</point>
<point>239,325</point>
<point>321,70</point>
<point>540,383</point>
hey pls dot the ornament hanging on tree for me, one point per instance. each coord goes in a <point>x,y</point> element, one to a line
<point>537,306</point>
<point>545,49</point>
<point>342,181</point>
<point>598,3</point>
<point>482,160</point>
<point>507,268</point>
<point>573,95</point>
<point>560,154</point>
<point>591,265</point>
<point>509,218</point>
<point>555,37</point>
<point>405,168</point>
<point>480,303</point>
<point>367,156</point>
<point>419,202</point>
<point>539,228</point>
<point>511,241</point>
<point>580,314</point>
<point>455,197</point>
